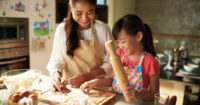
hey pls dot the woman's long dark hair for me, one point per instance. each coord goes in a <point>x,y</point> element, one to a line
<point>132,24</point>
<point>71,28</point>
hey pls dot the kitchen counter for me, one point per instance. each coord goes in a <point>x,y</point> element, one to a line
<point>183,86</point>
<point>119,99</point>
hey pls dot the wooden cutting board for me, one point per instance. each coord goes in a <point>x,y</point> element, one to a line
<point>96,96</point>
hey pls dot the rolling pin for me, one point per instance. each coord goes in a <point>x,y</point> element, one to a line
<point>118,68</point>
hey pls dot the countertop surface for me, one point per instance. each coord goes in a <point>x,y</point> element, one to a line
<point>172,77</point>
<point>119,99</point>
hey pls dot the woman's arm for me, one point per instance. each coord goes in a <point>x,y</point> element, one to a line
<point>57,61</point>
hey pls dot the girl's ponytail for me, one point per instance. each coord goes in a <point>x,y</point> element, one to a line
<point>147,41</point>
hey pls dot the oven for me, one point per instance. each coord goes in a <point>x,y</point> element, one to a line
<point>14,44</point>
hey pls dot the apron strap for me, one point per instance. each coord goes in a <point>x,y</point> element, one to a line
<point>123,58</point>
<point>94,33</point>
<point>141,59</point>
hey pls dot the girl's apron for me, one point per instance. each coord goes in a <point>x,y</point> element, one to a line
<point>87,57</point>
<point>134,75</point>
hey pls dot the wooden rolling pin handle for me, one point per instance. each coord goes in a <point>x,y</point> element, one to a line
<point>118,67</point>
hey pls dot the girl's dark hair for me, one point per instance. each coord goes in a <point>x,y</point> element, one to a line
<point>132,24</point>
<point>71,28</point>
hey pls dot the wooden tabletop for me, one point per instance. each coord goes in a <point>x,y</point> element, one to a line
<point>119,99</point>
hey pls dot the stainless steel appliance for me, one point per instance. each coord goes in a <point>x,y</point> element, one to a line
<point>14,43</point>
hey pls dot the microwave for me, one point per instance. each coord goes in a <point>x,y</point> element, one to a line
<point>14,32</point>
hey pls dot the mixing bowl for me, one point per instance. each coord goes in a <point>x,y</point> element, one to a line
<point>21,79</point>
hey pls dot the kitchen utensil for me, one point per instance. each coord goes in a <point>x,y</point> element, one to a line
<point>118,68</point>
<point>103,97</point>
<point>161,99</point>
<point>22,79</point>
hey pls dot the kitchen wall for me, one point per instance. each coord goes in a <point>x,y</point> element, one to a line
<point>119,8</point>
<point>38,59</point>
<point>12,13</point>
<point>171,17</point>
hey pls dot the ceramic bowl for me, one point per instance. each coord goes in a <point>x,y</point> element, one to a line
<point>196,60</point>
<point>35,102</point>
<point>190,67</point>
<point>22,79</point>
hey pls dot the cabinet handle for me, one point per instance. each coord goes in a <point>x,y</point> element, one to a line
<point>13,61</point>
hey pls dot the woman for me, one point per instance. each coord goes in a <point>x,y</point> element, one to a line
<point>79,52</point>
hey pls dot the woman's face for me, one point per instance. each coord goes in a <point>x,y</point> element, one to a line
<point>129,44</point>
<point>83,13</point>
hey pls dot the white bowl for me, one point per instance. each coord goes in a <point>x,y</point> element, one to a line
<point>190,67</point>
<point>196,60</point>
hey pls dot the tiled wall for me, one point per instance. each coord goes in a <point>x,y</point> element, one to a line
<point>172,17</point>
<point>167,43</point>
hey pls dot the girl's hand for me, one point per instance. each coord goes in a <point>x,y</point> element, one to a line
<point>57,82</point>
<point>87,86</point>
<point>130,93</point>
<point>78,80</point>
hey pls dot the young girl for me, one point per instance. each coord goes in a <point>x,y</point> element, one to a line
<point>137,54</point>
<point>79,52</point>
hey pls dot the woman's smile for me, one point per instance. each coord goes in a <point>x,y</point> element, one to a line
<point>85,22</point>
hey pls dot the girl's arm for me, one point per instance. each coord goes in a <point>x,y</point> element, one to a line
<point>87,86</point>
<point>154,88</point>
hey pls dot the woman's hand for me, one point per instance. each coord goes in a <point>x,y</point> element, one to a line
<point>78,80</point>
<point>57,82</point>
<point>87,86</point>
<point>130,92</point>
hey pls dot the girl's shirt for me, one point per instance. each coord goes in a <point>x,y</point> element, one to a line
<point>150,66</point>
<point>57,59</point>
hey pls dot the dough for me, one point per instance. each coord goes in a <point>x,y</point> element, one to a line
<point>65,100</point>
<point>93,94</point>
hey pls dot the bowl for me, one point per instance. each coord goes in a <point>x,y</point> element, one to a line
<point>35,102</point>
<point>196,60</point>
<point>21,79</point>
<point>190,67</point>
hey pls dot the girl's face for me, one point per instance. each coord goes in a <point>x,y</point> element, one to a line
<point>129,44</point>
<point>83,13</point>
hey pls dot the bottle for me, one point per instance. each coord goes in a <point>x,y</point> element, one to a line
<point>185,57</point>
